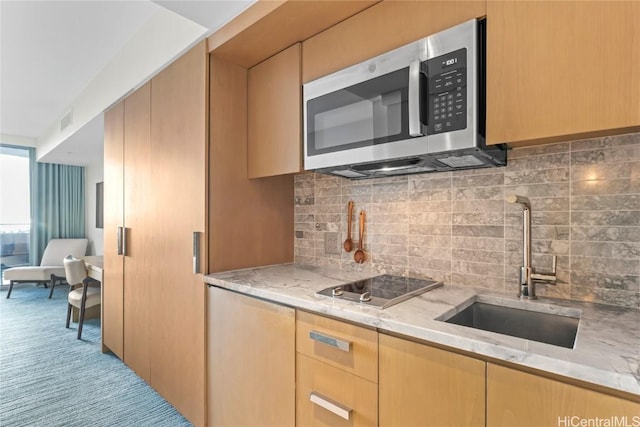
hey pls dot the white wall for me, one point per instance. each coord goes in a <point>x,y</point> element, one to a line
<point>93,174</point>
<point>163,38</point>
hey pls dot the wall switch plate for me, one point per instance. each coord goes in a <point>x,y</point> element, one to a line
<point>332,242</point>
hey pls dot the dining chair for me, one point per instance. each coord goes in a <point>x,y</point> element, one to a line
<point>84,291</point>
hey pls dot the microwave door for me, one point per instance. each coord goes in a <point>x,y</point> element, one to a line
<point>362,113</point>
<point>352,124</point>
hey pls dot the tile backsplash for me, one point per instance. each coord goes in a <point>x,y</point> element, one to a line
<point>456,226</point>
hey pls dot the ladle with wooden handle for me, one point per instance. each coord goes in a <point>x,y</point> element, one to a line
<point>348,243</point>
<point>358,255</point>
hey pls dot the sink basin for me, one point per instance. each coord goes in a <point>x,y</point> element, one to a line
<point>531,321</point>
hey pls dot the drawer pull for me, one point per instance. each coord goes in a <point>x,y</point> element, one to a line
<point>330,405</point>
<point>332,341</point>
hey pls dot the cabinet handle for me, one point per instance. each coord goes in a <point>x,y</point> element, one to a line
<point>414,99</point>
<point>122,241</point>
<point>196,252</point>
<point>330,405</point>
<point>329,340</point>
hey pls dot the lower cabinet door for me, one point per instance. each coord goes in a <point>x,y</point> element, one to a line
<point>527,400</point>
<point>251,359</point>
<point>422,385</point>
<point>328,396</point>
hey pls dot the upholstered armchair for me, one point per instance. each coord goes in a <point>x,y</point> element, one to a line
<point>51,267</point>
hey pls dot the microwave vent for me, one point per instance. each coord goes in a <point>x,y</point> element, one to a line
<point>465,161</point>
<point>417,169</point>
<point>388,165</point>
<point>348,173</point>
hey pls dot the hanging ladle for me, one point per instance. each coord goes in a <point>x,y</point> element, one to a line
<point>358,255</point>
<point>348,243</point>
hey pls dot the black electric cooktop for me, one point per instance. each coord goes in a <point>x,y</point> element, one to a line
<point>381,291</point>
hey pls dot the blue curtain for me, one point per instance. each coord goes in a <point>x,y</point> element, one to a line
<point>57,205</point>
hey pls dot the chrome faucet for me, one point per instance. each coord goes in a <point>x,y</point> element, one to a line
<point>528,277</point>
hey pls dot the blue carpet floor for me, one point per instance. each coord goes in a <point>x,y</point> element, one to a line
<point>49,378</point>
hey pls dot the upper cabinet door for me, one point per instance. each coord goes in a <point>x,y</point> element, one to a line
<point>274,145</point>
<point>562,68</point>
<point>381,28</point>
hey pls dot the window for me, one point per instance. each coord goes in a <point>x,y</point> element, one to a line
<point>15,214</point>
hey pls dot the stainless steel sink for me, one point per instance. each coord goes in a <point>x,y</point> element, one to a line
<point>532,321</point>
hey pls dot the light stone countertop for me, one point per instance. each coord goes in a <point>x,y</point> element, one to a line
<point>606,352</point>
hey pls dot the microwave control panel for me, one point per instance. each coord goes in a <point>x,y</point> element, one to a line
<point>447,97</point>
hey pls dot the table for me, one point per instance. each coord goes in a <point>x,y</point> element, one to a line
<point>94,270</point>
<point>94,266</point>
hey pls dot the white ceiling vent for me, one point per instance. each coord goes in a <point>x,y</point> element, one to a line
<point>67,119</point>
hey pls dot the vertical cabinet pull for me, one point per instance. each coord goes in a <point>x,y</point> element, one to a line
<point>122,241</point>
<point>196,252</point>
<point>331,341</point>
<point>330,405</point>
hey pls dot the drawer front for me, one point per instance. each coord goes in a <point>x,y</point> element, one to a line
<point>343,345</point>
<point>328,396</point>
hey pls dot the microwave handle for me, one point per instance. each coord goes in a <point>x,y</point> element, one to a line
<point>415,128</point>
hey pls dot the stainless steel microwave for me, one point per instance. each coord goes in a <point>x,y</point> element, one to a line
<point>418,108</point>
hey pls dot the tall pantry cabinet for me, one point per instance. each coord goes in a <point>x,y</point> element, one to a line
<point>155,175</point>
<point>128,179</point>
<point>113,269</point>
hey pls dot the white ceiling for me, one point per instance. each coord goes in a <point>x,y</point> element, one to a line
<point>53,53</point>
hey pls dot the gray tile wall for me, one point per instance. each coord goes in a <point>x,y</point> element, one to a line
<point>456,226</point>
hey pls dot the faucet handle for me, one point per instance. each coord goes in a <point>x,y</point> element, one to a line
<point>550,277</point>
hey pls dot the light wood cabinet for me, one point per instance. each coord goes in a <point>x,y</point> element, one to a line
<point>352,348</point>
<point>422,385</point>
<point>139,229</point>
<point>415,384</point>
<point>274,111</point>
<point>112,321</point>
<point>380,28</point>
<point>561,70</point>
<point>155,178</point>
<point>250,220</point>
<point>353,401</point>
<point>127,176</point>
<point>337,372</point>
<point>523,399</point>
<point>179,106</point>
<point>266,27</point>
<point>251,361</point>
<point>164,182</point>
